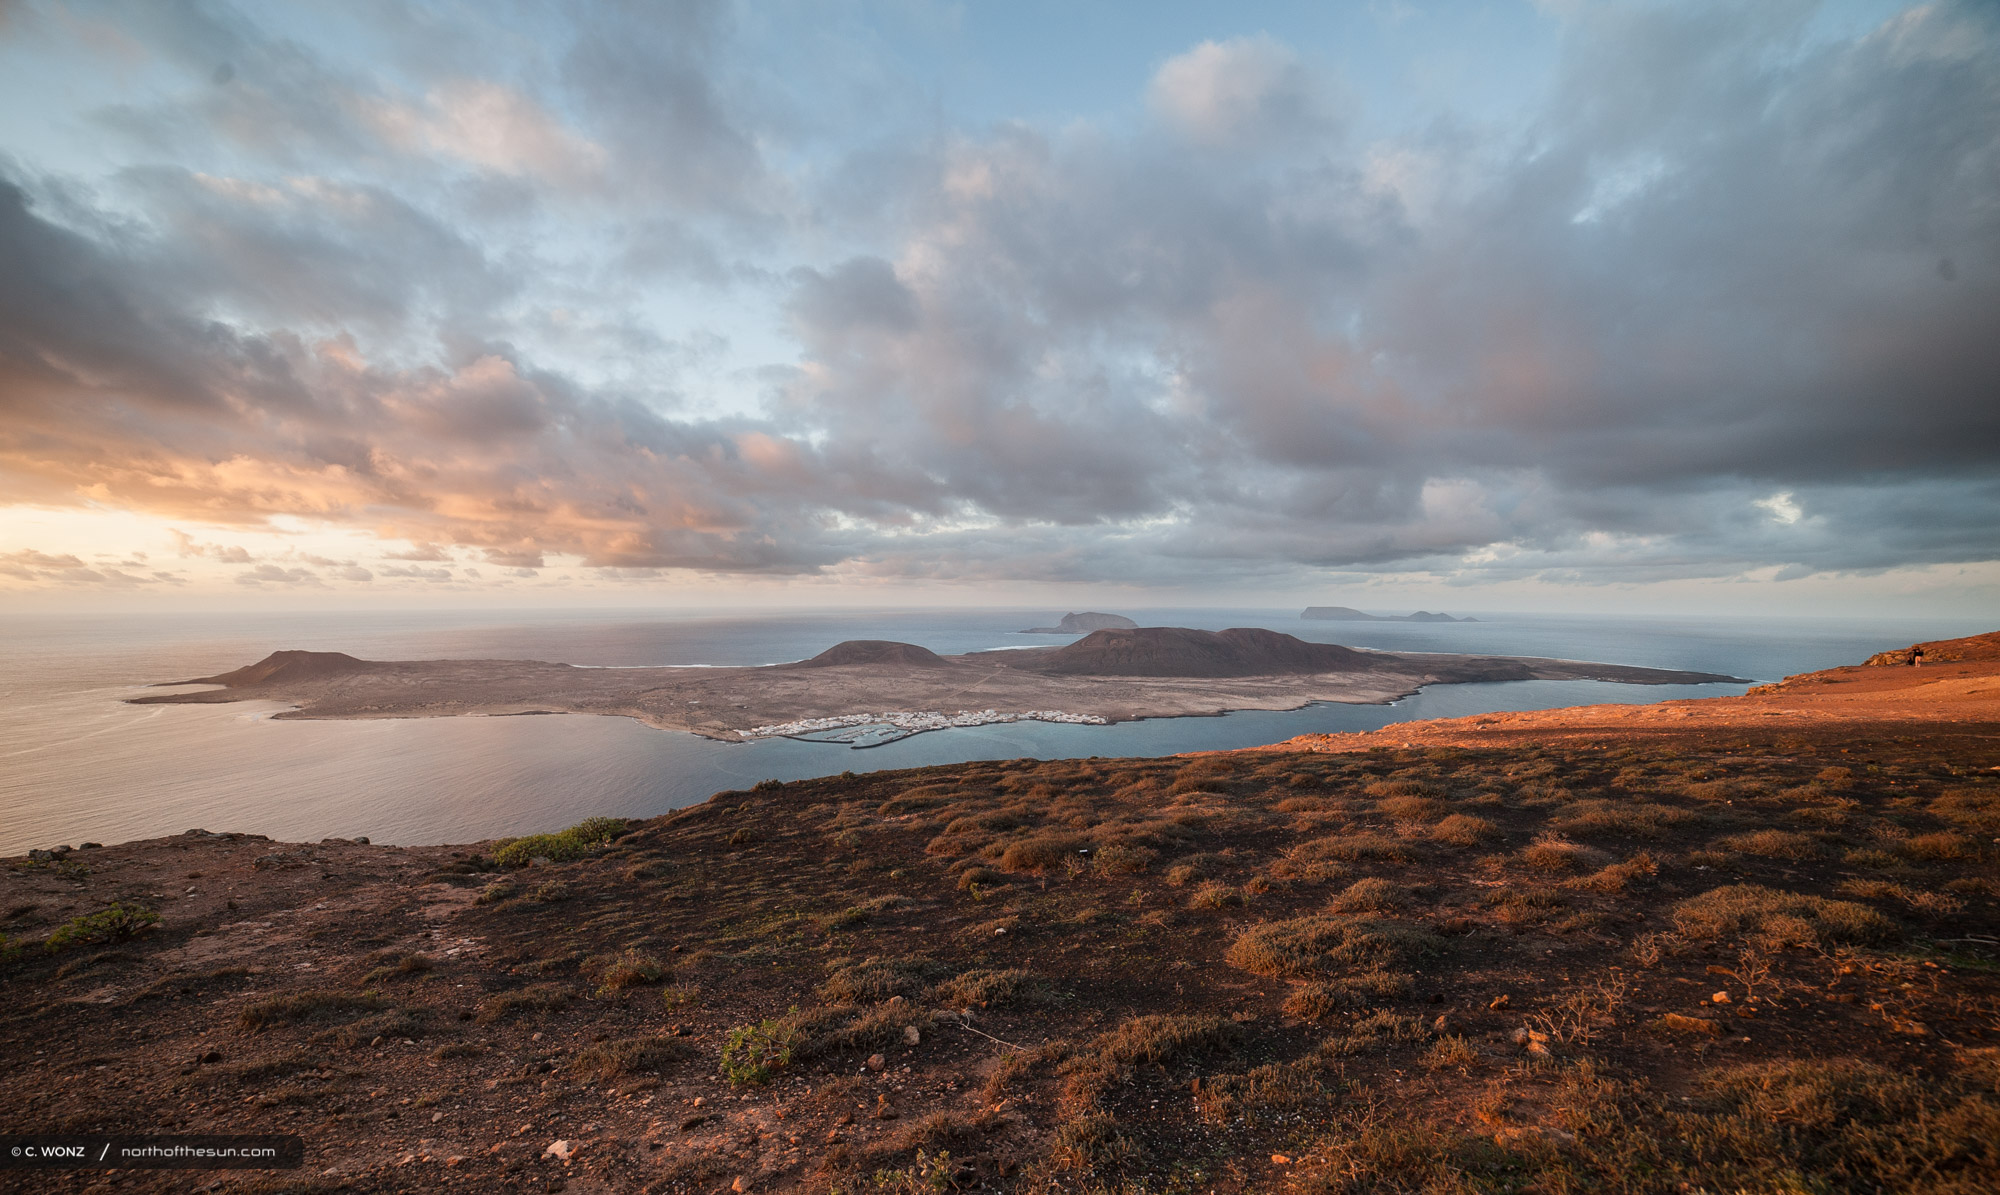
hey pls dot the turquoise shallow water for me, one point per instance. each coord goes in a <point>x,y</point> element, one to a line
<point>77,764</point>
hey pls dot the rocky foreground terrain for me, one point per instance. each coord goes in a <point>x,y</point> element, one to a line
<point>1760,955</point>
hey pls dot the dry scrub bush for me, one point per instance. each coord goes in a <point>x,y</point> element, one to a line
<point>1154,1040</point>
<point>1413,809</point>
<point>1938,847</point>
<point>1526,906</point>
<point>998,820</point>
<point>818,1032</point>
<point>1641,819</point>
<point>1449,1052</point>
<point>632,1056</point>
<point>1783,918</point>
<point>1192,868</point>
<point>1372,895</point>
<point>540,997</point>
<point>1040,852</point>
<point>1377,1031</point>
<point>877,978</point>
<point>857,914</point>
<point>299,1007</point>
<point>1776,1128</point>
<point>615,973</point>
<point>1310,805</point>
<point>1306,863</point>
<point>1213,894</point>
<point>1775,844</point>
<point>1869,857</point>
<point>1302,945</point>
<point>1975,810</point>
<point>1616,877</point>
<point>1010,988</point>
<point>1464,830</point>
<point>1554,854</point>
<point>1090,1143</point>
<point>1318,1000</point>
<point>1535,796</point>
<point>1648,950</point>
<point>1277,1087</point>
<point>1931,904</point>
<point>1356,848</point>
<point>980,876</point>
<point>1716,791</point>
<point>1118,859</point>
<point>1389,789</point>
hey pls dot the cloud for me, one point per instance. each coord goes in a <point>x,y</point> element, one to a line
<point>271,574</point>
<point>41,568</point>
<point>186,545</point>
<point>494,127</point>
<point>1237,92</point>
<point>1721,305</point>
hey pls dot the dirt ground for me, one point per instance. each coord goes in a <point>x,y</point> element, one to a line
<point>1722,954</point>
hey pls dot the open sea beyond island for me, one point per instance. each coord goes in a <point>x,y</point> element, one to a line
<point>76,763</point>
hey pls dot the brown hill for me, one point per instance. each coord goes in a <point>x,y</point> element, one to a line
<point>1181,651</point>
<point>873,651</point>
<point>1946,651</point>
<point>281,667</point>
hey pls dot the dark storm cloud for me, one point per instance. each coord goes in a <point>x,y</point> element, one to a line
<point>1725,304</point>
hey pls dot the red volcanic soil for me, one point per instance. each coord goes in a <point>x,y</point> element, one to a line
<point>1179,651</point>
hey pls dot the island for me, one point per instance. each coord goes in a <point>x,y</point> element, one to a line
<point>867,692</point>
<point>1084,624</point>
<point>1350,614</point>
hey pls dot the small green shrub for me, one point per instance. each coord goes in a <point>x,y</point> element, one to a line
<point>108,924</point>
<point>753,1052</point>
<point>564,846</point>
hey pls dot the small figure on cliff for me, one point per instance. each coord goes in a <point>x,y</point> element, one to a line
<point>1916,657</point>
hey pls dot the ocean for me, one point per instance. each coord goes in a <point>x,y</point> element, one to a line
<point>77,764</point>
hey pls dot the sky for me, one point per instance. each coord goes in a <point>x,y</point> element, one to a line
<point>1641,307</point>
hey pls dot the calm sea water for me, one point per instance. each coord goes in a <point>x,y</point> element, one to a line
<point>76,764</point>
